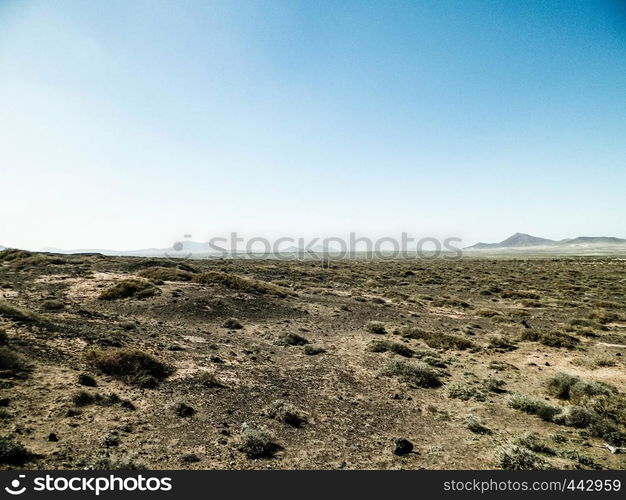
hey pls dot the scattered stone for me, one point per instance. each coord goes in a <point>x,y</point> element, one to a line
<point>402,447</point>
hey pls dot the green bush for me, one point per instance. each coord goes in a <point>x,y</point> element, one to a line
<point>576,416</point>
<point>533,406</point>
<point>559,385</point>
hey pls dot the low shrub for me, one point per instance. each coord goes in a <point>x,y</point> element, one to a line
<point>12,363</point>
<point>559,385</point>
<point>464,392</point>
<point>581,459</point>
<point>502,343</point>
<point>83,398</point>
<point>12,452</point>
<point>52,305</point>
<point>556,339</point>
<point>286,413</point>
<point>443,341</point>
<point>232,324</point>
<point>533,406</point>
<point>208,380</point>
<point>11,254</point>
<point>417,374</point>
<point>183,410</point>
<point>18,314</point>
<point>376,327</point>
<point>130,365</point>
<point>86,380</point>
<point>310,350</point>
<point>550,339</point>
<point>256,442</point>
<point>291,339</point>
<point>493,384</point>
<point>387,346</point>
<point>576,416</point>
<point>513,457</point>
<point>570,387</point>
<point>129,288</point>
<point>531,441</point>
<point>487,313</point>
<point>475,425</point>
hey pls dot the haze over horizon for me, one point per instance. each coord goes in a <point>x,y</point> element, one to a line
<point>131,124</point>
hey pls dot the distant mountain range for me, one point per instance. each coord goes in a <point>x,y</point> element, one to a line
<point>526,241</point>
<point>519,242</point>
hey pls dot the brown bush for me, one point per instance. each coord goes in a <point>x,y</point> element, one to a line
<point>130,365</point>
<point>129,288</point>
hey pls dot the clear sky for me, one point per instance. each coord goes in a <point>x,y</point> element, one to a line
<point>126,124</point>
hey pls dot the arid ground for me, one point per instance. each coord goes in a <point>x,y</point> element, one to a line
<point>485,363</point>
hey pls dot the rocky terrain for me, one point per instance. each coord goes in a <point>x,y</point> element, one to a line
<point>477,363</point>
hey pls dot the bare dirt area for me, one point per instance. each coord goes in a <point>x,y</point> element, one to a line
<point>111,362</point>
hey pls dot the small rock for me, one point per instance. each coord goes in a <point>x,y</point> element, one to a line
<point>403,446</point>
<point>53,437</point>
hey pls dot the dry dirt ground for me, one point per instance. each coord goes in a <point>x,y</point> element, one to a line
<point>472,347</point>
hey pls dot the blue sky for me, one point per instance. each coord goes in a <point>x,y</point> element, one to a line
<point>126,124</point>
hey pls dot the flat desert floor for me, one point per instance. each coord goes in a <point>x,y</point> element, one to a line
<point>111,362</point>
